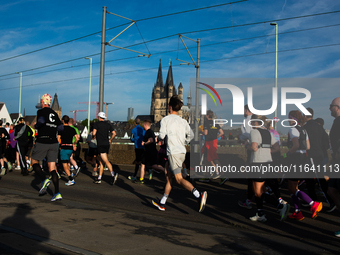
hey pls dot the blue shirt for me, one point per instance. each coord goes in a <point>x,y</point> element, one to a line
<point>137,136</point>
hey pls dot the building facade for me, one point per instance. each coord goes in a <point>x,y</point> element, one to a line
<point>162,93</point>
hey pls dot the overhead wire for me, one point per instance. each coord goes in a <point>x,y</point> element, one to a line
<point>152,68</point>
<point>158,53</point>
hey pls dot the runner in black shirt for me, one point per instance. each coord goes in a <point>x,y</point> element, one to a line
<point>23,134</point>
<point>48,123</point>
<point>149,158</point>
<point>68,142</point>
<point>101,131</point>
<point>4,136</point>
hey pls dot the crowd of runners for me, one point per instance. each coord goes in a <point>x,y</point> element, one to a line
<point>48,148</point>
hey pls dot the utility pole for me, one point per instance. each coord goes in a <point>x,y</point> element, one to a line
<point>197,115</point>
<point>102,63</point>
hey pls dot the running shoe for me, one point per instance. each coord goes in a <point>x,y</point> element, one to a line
<point>202,201</point>
<point>95,173</point>
<point>258,218</point>
<point>158,204</point>
<point>332,207</point>
<point>296,216</point>
<point>3,171</point>
<point>9,165</point>
<point>139,181</point>
<point>30,169</point>
<point>71,167</point>
<point>59,177</point>
<point>17,168</point>
<point>77,172</point>
<point>98,181</point>
<point>337,233</point>
<point>44,186</point>
<point>150,174</point>
<point>132,178</point>
<point>284,211</point>
<point>246,204</point>
<point>114,179</point>
<point>56,197</point>
<point>70,183</point>
<point>315,208</point>
<point>223,181</point>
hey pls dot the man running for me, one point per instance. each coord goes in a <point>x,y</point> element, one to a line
<point>137,135</point>
<point>178,133</point>
<point>48,124</point>
<point>73,162</point>
<point>23,134</point>
<point>101,131</point>
<point>68,139</point>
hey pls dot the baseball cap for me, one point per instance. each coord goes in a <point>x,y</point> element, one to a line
<point>47,99</point>
<point>102,115</point>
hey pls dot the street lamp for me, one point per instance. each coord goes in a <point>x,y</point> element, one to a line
<point>276,49</point>
<point>89,108</point>
<point>106,108</point>
<point>20,93</point>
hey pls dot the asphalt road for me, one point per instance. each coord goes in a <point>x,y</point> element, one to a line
<point>120,219</point>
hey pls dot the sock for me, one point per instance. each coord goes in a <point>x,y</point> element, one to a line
<point>99,177</point>
<point>164,198</point>
<point>37,169</point>
<point>196,193</point>
<point>302,195</point>
<point>185,171</point>
<point>259,203</point>
<point>55,181</point>
<point>112,173</point>
<point>141,179</point>
<point>296,202</point>
<point>76,167</point>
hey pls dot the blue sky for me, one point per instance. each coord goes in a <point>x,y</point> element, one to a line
<point>30,25</point>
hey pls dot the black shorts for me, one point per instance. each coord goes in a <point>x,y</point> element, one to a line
<point>92,152</point>
<point>139,156</point>
<point>2,151</point>
<point>103,149</point>
<point>149,158</point>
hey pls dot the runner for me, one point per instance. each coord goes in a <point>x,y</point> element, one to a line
<point>101,131</point>
<point>149,158</point>
<point>4,136</point>
<point>67,139</point>
<point>92,152</point>
<point>73,162</point>
<point>23,134</point>
<point>48,124</point>
<point>178,133</point>
<point>298,144</point>
<point>334,135</point>
<point>262,144</point>
<point>137,135</point>
<point>211,135</point>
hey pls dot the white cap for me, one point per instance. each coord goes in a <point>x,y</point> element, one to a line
<point>102,115</point>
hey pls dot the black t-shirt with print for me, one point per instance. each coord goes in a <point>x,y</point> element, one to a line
<point>104,129</point>
<point>47,123</point>
<point>151,147</point>
<point>66,137</point>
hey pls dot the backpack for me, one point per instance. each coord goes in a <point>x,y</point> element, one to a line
<point>302,139</point>
<point>266,138</point>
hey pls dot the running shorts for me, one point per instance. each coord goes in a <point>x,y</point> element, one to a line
<point>43,150</point>
<point>103,149</point>
<point>175,162</point>
<point>65,155</point>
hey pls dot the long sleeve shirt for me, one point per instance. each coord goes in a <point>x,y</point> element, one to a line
<point>178,134</point>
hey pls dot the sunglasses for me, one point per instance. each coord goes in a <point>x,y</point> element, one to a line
<point>333,105</point>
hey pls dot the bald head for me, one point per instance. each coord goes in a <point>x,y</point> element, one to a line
<point>335,107</point>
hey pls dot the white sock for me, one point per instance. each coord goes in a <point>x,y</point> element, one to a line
<point>99,177</point>
<point>76,167</point>
<point>113,173</point>
<point>164,198</point>
<point>196,193</point>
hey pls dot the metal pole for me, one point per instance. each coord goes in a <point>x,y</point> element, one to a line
<point>89,107</point>
<point>197,115</point>
<point>102,63</point>
<point>276,50</point>
<point>20,88</point>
